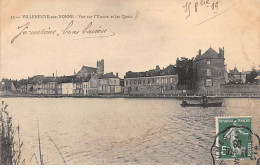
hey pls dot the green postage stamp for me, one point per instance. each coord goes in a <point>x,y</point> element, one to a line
<point>235,137</point>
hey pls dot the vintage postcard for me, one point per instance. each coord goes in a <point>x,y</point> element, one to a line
<point>133,82</point>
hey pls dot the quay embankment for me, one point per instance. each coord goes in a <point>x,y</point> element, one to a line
<point>224,95</point>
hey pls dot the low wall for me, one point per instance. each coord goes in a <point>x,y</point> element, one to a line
<point>240,89</point>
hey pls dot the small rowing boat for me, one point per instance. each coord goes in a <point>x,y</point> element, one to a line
<point>216,104</point>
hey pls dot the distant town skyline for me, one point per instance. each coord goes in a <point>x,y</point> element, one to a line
<point>56,72</point>
<point>153,36</point>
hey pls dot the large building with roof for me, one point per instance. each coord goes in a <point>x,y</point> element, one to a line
<point>86,70</point>
<point>209,72</point>
<point>152,82</point>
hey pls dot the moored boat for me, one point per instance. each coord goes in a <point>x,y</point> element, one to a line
<point>216,104</point>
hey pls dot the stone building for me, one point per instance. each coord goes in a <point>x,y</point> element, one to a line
<point>64,85</point>
<point>86,85</point>
<point>48,86</point>
<point>109,84</point>
<point>257,80</point>
<point>236,77</point>
<point>151,82</point>
<point>209,72</point>
<point>80,85</point>
<point>7,84</point>
<point>86,70</point>
<point>92,85</point>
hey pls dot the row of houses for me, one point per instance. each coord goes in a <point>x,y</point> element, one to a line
<point>88,81</point>
<point>72,85</point>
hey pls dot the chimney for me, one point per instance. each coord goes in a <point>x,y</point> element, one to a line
<point>221,52</point>
<point>199,52</point>
<point>52,74</point>
<point>117,74</point>
<point>92,74</point>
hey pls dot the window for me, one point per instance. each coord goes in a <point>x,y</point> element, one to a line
<point>126,82</point>
<point>144,81</point>
<point>171,80</point>
<point>208,82</point>
<point>208,72</point>
<point>208,62</point>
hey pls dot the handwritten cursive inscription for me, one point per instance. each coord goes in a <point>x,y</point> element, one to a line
<point>89,31</point>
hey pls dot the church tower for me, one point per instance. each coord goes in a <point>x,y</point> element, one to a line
<point>100,67</point>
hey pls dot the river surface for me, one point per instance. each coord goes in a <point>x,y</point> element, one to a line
<point>121,131</point>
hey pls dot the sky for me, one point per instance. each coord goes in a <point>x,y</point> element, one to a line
<point>156,33</point>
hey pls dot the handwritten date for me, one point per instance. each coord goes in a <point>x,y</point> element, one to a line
<point>197,5</point>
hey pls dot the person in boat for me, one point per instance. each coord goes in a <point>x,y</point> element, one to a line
<point>184,101</point>
<point>204,99</point>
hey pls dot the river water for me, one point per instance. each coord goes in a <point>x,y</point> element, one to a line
<point>121,131</point>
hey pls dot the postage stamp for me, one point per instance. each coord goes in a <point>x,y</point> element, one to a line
<point>235,138</point>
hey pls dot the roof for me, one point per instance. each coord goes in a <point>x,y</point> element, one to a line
<point>169,70</point>
<point>48,79</point>
<point>79,79</point>
<point>108,75</point>
<point>234,71</point>
<point>6,80</point>
<point>211,54</point>
<point>258,77</point>
<point>86,71</point>
<point>66,79</point>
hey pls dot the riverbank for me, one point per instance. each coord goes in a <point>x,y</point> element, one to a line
<point>236,95</point>
<point>10,146</point>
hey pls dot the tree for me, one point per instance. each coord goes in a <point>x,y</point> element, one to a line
<point>250,78</point>
<point>184,69</point>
